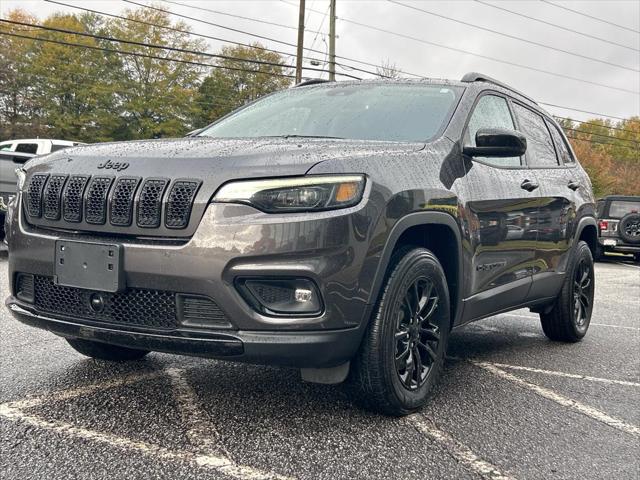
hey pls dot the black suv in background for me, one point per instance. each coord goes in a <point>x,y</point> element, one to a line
<point>340,228</point>
<point>619,225</point>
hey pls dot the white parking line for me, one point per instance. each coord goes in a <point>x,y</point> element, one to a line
<point>561,400</point>
<point>624,327</point>
<point>536,317</point>
<point>458,450</point>
<point>201,434</point>
<point>627,265</point>
<point>567,375</point>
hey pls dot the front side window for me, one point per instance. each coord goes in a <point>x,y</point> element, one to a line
<point>27,148</point>
<point>491,111</point>
<point>561,145</point>
<point>540,151</point>
<point>389,112</point>
<point>55,147</point>
<point>6,147</point>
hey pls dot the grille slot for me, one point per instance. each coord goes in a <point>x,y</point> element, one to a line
<point>179,203</point>
<point>34,195</point>
<point>95,207</point>
<point>121,212</point>
<point>25,287</point>
<point>150,203</point>
<point>72,198</point>
<point>51,197</point>
<point>199,311</point>
<point>155,309</point>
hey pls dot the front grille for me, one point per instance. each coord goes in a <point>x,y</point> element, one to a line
<point>121,211</point>
<point>150,204</point>
<point>155,309</point>
<point>95,207</point>
<point>51,197</point>
<point>104,201</point>
<point>179,203</point>
<point>72,198</point>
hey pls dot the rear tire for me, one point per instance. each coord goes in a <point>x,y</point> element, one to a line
<point>568,320</point>
<point>599,255</point>
<point>402,353</point>
<point>104,351</point>
<point>636,257</point>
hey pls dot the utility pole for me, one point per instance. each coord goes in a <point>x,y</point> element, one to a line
<point>300,43</point>
<point>332,41</point>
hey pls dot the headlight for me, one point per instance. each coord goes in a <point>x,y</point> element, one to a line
<point>20,173</point>
<point>300,194</point>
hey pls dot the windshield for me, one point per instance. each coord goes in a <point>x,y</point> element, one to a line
<point>392,112</point>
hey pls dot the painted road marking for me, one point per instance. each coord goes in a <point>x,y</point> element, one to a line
<point>198,428</point>
<point>458,450</point>
<point>567,375</point>
<point>561,400</point>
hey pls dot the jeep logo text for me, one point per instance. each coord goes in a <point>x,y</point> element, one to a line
<point>119,166</point>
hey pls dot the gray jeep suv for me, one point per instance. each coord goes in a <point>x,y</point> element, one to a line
<point>340,228</point>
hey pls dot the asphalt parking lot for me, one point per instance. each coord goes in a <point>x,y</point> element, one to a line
<point>511,405</point>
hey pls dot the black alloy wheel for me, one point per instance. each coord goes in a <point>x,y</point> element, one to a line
<point>417,335</point>
<point>582,293</point>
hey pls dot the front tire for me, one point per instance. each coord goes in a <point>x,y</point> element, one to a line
<point>104,351</point>
<point>568,320</point>
<point>402,353</point>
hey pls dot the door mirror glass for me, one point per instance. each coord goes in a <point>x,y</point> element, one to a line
<point>497,142</point>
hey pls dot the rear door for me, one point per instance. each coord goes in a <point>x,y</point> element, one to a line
<point>501,206</point>
<point>558,204</point>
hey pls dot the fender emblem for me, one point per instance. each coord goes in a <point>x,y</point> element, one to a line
<point>109,165</point>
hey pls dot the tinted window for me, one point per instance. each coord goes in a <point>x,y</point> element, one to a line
<point>4,148</point>
<point>27,148</point>
<point>561,146</point>
<point>619,208</point>
<point>491,112</point>
<point>394,112</point>
<point>540,151</point>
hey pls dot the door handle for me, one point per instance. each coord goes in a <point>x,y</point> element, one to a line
<point>529,185</point>
<point>573,185</point>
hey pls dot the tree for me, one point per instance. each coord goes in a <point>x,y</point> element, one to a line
<point>237,82</point>
<point>156,95</point>
<point>19,115</point>
<point>388,69</point>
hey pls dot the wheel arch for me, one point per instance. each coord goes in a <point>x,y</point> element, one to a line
<point>587,230</point>
<point>435,231</point>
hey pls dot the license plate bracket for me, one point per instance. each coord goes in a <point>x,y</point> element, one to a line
<point>92,266</point>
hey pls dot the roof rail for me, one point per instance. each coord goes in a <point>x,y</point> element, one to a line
<point>311,81</point>
<point>479,77</point>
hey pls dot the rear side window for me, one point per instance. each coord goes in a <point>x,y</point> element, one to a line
<point>55,148</point>
<point>540,151</point>
<point>491,112</point>
<point>619,208</point>
<point>561,146</point>
<point>27,148</point>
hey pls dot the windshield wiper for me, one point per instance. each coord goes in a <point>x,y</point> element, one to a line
<point>303,136</point>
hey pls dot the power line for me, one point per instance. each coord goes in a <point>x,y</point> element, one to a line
<point>239,31</point>
<point>143,55</point>
<point>486,57</point>
<point>275,24</point>
<point>586,122</point>
<point>514,37</point>
<point>165,48</point>
<point>582,111</point>
<point>590,16</point>
<point>602,135</point>
<point>589,140</point>
<point>549,23</point>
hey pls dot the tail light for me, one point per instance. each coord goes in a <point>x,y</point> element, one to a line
<point>604,225</point>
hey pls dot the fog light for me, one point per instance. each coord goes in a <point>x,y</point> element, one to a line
<point>281,296</point>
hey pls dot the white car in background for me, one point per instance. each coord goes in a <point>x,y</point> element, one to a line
<point>14,153</point>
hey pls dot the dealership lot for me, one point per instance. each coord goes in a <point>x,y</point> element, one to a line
<point>511,405</point>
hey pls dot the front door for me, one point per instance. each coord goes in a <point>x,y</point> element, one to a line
<point>500,208</point>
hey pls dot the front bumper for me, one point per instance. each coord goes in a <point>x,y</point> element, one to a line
<point>292,349</point>
<point>231,242</point>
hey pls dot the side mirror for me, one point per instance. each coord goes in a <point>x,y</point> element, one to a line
<point>497,142</point>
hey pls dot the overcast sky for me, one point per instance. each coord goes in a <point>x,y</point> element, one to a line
<point>410,55</point>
